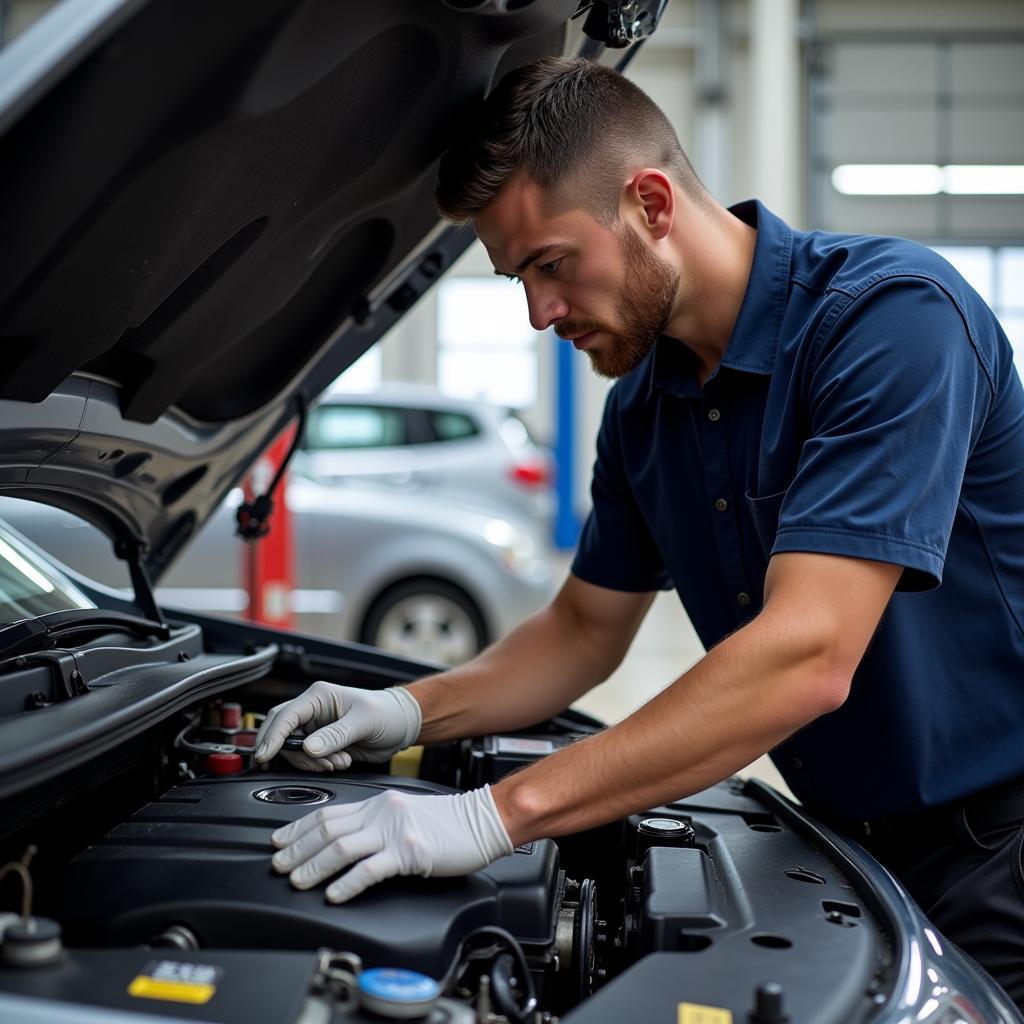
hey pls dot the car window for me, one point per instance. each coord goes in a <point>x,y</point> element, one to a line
<point>355,426</point>
<point>29,587</point>
<point>452,426</point>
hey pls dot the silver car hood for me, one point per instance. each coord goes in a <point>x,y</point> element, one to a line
<point>210,210</point>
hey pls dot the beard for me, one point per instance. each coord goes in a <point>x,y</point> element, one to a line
<point>644,303</point>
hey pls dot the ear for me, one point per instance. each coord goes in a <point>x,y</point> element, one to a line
<point>650,197</point>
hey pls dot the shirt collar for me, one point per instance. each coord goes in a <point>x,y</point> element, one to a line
<point>755,335</point>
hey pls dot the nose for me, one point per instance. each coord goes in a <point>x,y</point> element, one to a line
<point>546,307</point>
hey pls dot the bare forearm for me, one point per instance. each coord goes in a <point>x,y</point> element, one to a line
<point>536,671</point>
<point>794,662</point>
<point>742,699</point>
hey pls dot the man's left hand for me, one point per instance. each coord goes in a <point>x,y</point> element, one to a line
<point>391,834</point>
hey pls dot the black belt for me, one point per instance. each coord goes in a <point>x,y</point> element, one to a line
<point>987,811</point>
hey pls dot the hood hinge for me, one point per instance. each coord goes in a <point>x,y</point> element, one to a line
<point>620,23</point>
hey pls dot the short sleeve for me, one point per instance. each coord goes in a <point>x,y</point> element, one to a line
<point>616,549</point>
<point>895,402</point>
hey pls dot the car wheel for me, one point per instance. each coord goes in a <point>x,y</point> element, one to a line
<point>428,620</point>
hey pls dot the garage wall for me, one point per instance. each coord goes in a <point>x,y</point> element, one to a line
<point>17,15</point>
<point>940,95</point>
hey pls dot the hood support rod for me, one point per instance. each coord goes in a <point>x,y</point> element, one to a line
<point>131,551</point>
<point>253,517</point>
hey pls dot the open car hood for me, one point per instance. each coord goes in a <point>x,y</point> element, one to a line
<point>210,211</point>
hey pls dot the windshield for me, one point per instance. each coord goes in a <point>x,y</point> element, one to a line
<point>29,586</point>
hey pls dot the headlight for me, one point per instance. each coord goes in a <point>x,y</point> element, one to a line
<point>517,551</point>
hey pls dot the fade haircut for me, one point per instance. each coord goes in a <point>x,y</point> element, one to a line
<point>574,127</point>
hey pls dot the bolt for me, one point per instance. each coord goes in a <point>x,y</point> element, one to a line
<point>768,1000</point>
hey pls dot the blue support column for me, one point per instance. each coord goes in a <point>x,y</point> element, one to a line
<point>567,524</point>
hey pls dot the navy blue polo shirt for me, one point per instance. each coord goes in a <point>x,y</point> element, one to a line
<point>866,405</point>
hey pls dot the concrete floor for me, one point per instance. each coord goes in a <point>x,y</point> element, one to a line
<point>665,647</point>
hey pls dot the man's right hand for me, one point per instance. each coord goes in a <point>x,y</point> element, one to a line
<point>343,723</point>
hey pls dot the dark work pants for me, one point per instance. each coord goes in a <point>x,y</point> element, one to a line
<point>970,883</point>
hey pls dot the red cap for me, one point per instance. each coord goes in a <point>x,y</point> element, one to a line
<point>224,764</point>
<point>244,738</point>
<point>231,716</point>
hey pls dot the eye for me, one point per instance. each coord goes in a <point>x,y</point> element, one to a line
<point>550,268</point>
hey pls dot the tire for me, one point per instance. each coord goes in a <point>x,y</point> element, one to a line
<point>427,620</point>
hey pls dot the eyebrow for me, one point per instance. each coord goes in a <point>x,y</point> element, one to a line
<point>535,255</point>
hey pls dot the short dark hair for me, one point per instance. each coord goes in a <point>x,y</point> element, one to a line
<point>574,127</point>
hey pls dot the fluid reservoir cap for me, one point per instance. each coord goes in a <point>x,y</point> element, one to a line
<point>397,994</point>
<point>664,827</point>
<point>32,943</point>
<point>230,716</point>
<point>224,764</point>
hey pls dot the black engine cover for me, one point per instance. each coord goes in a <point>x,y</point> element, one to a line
<point>200,857</point>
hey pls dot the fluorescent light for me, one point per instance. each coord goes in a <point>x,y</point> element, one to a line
<point>928,179</point>
<point>983,179</point>
<point>887,179</point>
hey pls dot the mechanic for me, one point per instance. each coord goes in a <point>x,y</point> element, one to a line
<point>818,440</point>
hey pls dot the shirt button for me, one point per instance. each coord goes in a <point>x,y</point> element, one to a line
<point>714,415</point>
<point>742,599</point>
<point>721,504</point>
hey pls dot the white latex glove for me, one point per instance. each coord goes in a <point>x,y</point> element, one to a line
<point>343,723</point>
<point>391,834</point>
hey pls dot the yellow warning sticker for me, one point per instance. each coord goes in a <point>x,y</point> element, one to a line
<point>176,982</point>
<point>172,991</point>
<point>694,1013</point>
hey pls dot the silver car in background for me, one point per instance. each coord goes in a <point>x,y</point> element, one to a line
<point>412,574</point>
<point>414,437</point>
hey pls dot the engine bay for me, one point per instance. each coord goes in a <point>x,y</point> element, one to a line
<point>209,839</point>
<point>153,886</point>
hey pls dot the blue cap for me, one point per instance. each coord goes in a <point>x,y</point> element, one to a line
<point>390,990</point>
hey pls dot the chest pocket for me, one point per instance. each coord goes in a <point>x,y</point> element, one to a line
<point>765,513</point>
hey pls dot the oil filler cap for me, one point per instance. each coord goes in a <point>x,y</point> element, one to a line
<point>293,795</point>
<point>397,994</point>
<point>663,826</point>
<point>669,829</point>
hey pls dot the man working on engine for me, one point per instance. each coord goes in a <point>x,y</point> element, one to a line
<point>808,434</point>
